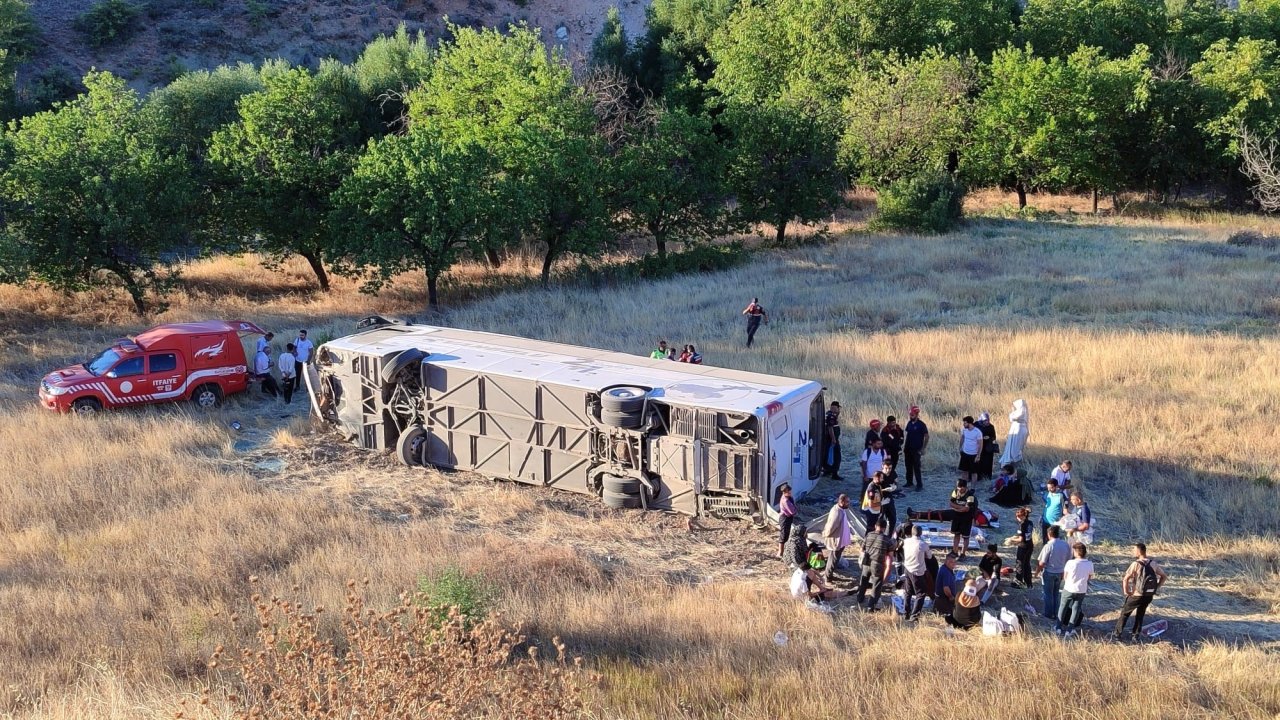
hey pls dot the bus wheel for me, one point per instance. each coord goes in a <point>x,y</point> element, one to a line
<point>628,421</point>
<point>409,445</point>
<point>624,399</point>
<point>620,501</point>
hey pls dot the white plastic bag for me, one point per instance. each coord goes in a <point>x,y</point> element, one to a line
<point>1010,621</point>
<point>991,626</point>
<point>799,584</point>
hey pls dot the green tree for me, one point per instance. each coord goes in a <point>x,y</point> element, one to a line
<point>389,68</point>
<point>1058,27</point>
<point>1242,80</point>
<point>611,46</point>
<point>671,60</point>
<point>89,191</point>
<point>288,152</point>
<point>198,103</point>
<point>412,202</point>
<point>507,94</point>
<point>1051,123</point>
<point>673,180</point>
<point>783,165</point>
<point>906,116</point>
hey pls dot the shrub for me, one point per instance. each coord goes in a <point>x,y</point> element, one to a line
<point>695,259</point>
<point>452,590</point>
<point>925,203</point>
<point>108,22</point>
<point>397,664</point>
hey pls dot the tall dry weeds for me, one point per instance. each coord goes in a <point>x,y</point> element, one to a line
<point>399,664</point>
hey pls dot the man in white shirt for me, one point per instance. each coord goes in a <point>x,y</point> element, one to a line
<point>915,563</point>
<point>1075,585</point>
<point>970,450</point>
<point>1062,474</point>
<point>288,365</point>
<point>302,353</point>
<point>264,342</point>
<point>262,372</point>
<point>872,461</point>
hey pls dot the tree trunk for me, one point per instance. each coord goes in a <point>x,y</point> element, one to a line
<point>317,267</point>
<point>547,261</point>
<point>661,241</point>
<point>782,232</point>
<point>495,260</point>
<point>1022,196</point>
<point>433,298</point>
<point>136,292</point>
<point>1095,201</point>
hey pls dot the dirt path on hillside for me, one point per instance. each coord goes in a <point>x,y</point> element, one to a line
<point>286,452</point>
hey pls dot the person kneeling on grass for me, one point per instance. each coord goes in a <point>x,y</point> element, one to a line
<point>968,609</point>
<point>807,582</point>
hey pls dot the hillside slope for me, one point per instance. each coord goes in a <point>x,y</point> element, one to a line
<point>169,36</point>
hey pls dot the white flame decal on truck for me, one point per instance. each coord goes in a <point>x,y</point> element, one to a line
<point>212,351</point>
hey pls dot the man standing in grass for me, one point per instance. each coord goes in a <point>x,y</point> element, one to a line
<point>288,372</point>
<point>837,534</point>
<point>755,315</point>
<point>1053,561</point>
<point>1141,581</point>
<point>970,449</point>
<point>892,436</point>
<point>302,353</point>
<point>1054,501</point>
<point>963,507</point>
<point>916,439</point>
<point>915,565</point>
<point>831,442</point>
<point>1075,585</point>
<point>876,548</point>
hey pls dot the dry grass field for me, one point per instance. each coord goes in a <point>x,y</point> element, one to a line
<point>1147,350</point>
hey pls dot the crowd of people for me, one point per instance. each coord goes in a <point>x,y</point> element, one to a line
<point>289,365</point>
<point>689,354</point>
<point>895,555</point>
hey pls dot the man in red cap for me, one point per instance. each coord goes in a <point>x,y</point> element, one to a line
<point>913,446</point>
<point>873,433</point>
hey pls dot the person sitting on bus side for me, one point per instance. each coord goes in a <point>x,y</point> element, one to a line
<point>685,354</point>
<point>660,352</point>
<point>695,357</point>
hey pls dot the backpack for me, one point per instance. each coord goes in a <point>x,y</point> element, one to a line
<point>1148,580</point>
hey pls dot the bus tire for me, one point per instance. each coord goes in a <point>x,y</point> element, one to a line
<point>409,445</point>
<point>628,421</point>
<point>623,398</point>
<point>391,369</point>
<point>620,501</point>
<point>619,485</point>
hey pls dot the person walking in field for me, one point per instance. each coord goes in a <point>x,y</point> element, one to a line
<point>755,315</point>
<point>301,353</point>
<point>837,533</point>
<point>1053,561</point>
<point>1019,430</point>
<point>288,373</point>
<point>915,441</point>
<point>262,372</point>
<point>970,449</point>
<point>1075,585</point>
<point>786,518</point>
<point>1141,581</point>
<point>831,442</point>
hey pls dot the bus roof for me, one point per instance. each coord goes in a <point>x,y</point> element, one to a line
<point>723,389</point>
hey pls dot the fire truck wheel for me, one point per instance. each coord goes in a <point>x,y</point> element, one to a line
<point>620,501</point>
<point>86,406</point>
<point>206,397</point>
<point>619,485</point>
<point>409,445</point>
<point>623,399</point>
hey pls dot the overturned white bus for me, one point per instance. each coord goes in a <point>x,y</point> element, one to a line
<point>635,432</point>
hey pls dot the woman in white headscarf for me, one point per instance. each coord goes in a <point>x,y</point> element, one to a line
<point>1019,429</point>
